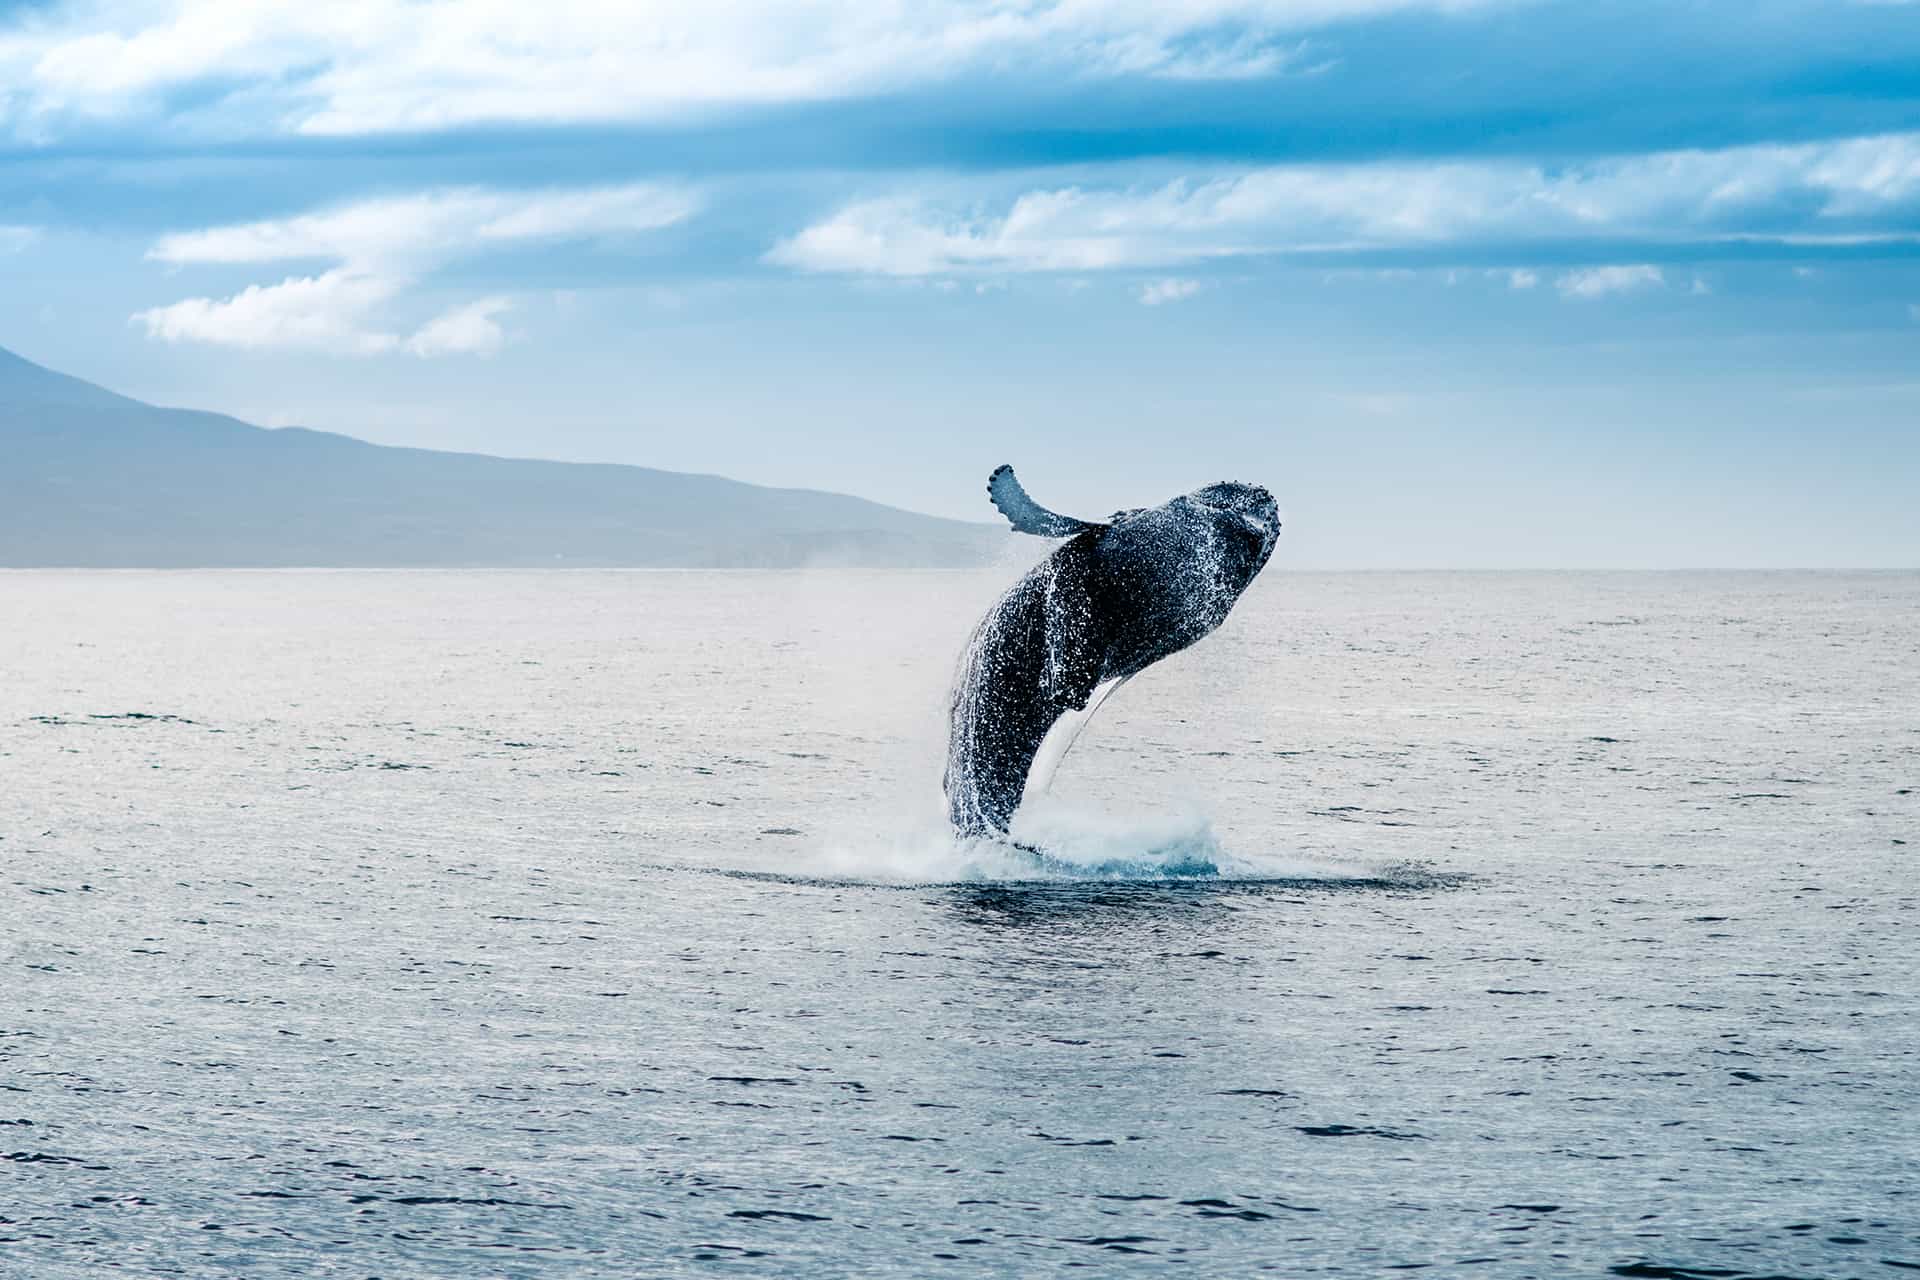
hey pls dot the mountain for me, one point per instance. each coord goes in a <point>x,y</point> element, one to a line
<point>89,478</point>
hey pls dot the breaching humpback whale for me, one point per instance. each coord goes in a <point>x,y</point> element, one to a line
<point>1114,598</point>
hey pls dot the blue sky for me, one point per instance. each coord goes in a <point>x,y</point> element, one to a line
<point>1466,283</point>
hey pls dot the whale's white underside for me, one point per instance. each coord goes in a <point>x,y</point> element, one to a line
<point>1062,735</point>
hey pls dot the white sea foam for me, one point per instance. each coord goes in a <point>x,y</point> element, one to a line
<point>1053,843</point>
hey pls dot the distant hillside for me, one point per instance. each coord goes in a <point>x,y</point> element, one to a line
<point>90,478</point>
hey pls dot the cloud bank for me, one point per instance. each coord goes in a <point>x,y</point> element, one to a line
<point>376,66</point>
<point>1852,190</point>
<point>381,248</point>
<point>325,313</point>
<point>434,225</point>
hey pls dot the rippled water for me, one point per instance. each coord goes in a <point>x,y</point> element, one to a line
<point>601,924</point>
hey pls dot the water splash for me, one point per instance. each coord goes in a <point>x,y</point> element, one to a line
<point>1055,844</point>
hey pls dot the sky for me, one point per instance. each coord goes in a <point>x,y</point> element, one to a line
<point>1466,283</point>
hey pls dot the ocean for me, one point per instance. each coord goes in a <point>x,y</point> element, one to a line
<point>578,923</point>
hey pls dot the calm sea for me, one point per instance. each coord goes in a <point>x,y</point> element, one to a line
<point>601,924</point>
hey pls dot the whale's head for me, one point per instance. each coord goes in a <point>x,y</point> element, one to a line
<point>1245,523</point>
<point>1167,575</point>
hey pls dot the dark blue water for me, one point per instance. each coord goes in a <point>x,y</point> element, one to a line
<point>423,925</point>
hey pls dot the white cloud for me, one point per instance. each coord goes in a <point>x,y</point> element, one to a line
<point>15,238</point>
<point>468,329</point>
<point>1522,278</point>
<point>434,225</point>
<point>379,65</point>
<point>317,313</point>
<point>1858,190</point>
<point>1160,292</point>
<point>379,248</point>
<point>1598,282</point>
<point>902,238</point>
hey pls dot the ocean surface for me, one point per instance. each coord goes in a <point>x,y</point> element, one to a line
<point>574,924</point>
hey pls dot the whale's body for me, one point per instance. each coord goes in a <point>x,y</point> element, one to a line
<point>1111,600</point>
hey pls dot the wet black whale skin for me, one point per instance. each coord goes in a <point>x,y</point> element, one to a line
<point>1107,603</point>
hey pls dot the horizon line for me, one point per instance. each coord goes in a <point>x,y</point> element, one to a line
<point>893,569</point>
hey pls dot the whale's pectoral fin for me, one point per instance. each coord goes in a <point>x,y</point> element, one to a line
<point>1026,515</point>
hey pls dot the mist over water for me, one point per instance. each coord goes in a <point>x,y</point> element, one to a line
<point>604,924</point>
